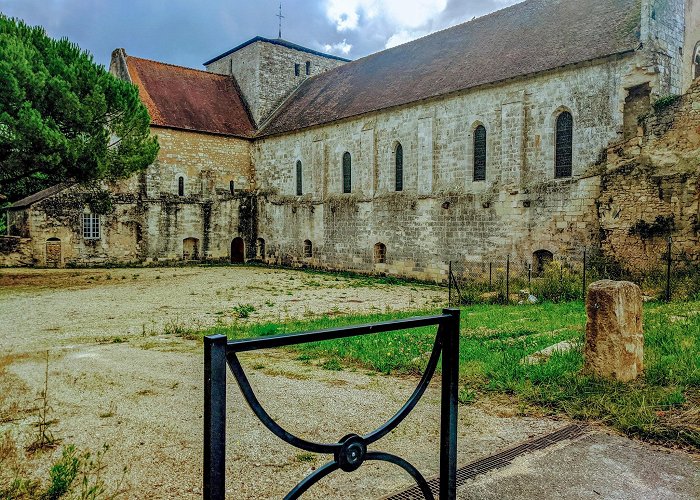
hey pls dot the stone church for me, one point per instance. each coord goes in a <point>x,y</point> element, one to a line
<point>503,135</point>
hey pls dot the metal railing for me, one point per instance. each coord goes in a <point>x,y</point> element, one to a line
<point>350,452</point>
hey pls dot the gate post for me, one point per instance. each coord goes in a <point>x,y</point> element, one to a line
<point>214,417</point>
<point>449,406</point>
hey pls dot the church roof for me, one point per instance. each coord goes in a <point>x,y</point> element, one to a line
<point>190,99</point>
<point>526,38</point>
<point>275,41</point>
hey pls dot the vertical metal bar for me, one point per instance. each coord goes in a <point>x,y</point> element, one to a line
<point>449,406</point>
<point>508,280</point>
<point>585,264</point>
<point>668,270</point>
<point>529,277</point>
<point>214,417</point>
<point>490,276</point>
<point>449,286</point>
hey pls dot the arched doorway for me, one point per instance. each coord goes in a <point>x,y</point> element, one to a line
<point>237,251</point>
<point>541,258</point>
<point>53,252</point>
<point>190,249</point>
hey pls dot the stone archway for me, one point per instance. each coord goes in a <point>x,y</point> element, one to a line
<point>53,252</point>
<point>237,251</point>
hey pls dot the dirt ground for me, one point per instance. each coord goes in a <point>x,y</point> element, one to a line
<point>116,377</point>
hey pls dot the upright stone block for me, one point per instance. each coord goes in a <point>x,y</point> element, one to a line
<point>614,333</point>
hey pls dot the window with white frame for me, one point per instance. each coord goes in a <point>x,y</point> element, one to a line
<point>91,226</point>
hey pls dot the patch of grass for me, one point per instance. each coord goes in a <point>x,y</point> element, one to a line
<point>305,457</point>
<point>658,407</point>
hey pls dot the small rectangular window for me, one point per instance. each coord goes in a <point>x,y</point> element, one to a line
<point>91,226</point>
<point>308,68</point>
<point>297,69</point>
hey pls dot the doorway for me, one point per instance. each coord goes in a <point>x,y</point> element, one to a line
<point>237,251</point>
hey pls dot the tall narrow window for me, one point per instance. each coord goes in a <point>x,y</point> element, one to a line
<point>380,253</point>
<point>91,226</point>
<point>232,187</point>
<point>181,186</point>
<point>347,173</point>
<point>399,167</point>
<point>297,70</point>
<point>480,153</point>
<point>300,183</point>
<point>308,68</point>
<point>564,145</point>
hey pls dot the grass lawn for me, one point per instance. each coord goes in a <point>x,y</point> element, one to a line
<point>663,406</point>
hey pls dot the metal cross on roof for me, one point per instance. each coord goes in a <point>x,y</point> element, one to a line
<point>280,18</point>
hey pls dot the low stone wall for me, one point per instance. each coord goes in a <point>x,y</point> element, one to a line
<point>16,252</point>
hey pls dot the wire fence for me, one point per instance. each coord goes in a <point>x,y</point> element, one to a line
<point>508,280</point>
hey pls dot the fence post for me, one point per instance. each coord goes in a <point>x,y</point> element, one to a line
<point>214,417</point>
<point>449,286</point>
<point>529,277</point>
<point>668,270</point>
<point>449,407</point>
<point>585,264</point>
<point>508,280</point>
<point>490,276</point>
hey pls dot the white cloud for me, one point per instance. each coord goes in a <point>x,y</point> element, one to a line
<point>339,48</point>
<point>403,14</point>
<point>403,36</point>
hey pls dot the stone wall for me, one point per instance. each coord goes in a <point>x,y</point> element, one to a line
<point>15,251</point>
<point>656,175</point>
<point>442,214</point>
<point>146,218</point>
<point>265,72</point>
<point>663,35</point>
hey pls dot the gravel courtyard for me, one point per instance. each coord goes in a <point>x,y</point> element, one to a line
<point>118,377</point>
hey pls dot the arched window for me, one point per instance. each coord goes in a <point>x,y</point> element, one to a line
<point>696,62</point>
<point>347,173</point>
<point>300,185</point>
<point>380,253</point>
<point>181,186</point>
<point>308,249</point>
<point>399,167</point>
<point>232,187</point>
<point>564,145</point>
<point>480,153</point>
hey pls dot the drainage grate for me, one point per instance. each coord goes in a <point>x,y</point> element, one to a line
<point>497,461</point>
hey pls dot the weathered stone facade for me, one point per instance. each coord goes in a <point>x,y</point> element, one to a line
<point>146,219</point>
<point>269,70</point>
<point>441,212</point>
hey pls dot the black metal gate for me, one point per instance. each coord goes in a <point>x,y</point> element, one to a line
<point>352,450</point>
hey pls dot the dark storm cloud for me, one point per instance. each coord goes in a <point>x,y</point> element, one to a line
<point>188,32</point>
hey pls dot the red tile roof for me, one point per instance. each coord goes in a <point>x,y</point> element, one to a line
<point>526,38</point>
<point>190,99</point>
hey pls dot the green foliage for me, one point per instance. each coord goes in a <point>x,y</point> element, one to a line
<point>664,102</point>
<point>558,284</point>
<point>662,226</point>
<point>63,474</point>
<point>244,311</point>
<point>62,116</point>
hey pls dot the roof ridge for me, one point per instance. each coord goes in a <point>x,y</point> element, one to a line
<point>177,66</point>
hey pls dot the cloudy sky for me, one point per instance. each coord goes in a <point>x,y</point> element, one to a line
<point>189,32</point>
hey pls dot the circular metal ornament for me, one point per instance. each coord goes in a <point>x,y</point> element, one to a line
<point>352,453</point>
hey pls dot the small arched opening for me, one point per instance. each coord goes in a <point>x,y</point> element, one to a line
<point>260,249</point>
<point>53,252</point>
<point>237,251</point>
<point>232,187</point>
<point>540,260</point>
<point>380,253</point>
<point>308,249</point>
<point>190,249</point>
<point>181,186</point>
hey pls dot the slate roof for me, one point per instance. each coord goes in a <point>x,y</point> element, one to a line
<point>526,38</point>
<point>41,195</point>
<point>275,41</point>
<point>190,99</point>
